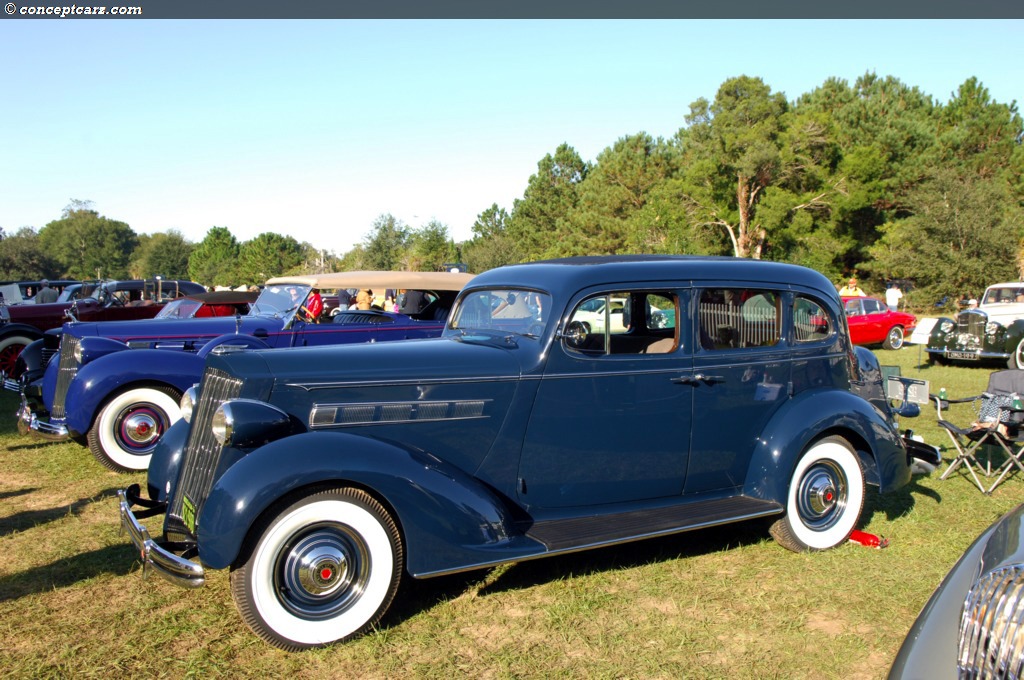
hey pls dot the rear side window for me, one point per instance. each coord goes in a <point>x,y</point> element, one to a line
<point>810,321</point>
<point>733,318</point>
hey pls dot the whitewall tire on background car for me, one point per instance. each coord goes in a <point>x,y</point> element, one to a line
<point>10,348</point>
<point>128,427</point>
<point>322,570</point>
<point>825,498</point>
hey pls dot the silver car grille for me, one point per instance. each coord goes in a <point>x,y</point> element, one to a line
<point>992,626</point>
<point>67,369</point>
<point>202,452</point>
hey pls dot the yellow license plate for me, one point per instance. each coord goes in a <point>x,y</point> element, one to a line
<point>188,514</point>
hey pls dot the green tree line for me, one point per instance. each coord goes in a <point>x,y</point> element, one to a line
<point>873,179</point>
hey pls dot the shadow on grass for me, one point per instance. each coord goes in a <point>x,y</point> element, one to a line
<point>426,594</point>
<point>116,559</point>
<point>30,518</point>
<point>15,493</point>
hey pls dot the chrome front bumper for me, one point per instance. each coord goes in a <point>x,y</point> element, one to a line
<point>178,570</point>
<point>30,423</point>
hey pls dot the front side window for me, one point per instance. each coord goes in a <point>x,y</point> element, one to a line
<point>732,318</point>
<point>524,312</point>
<point>624,322</point>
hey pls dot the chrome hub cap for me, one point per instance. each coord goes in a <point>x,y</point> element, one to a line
<point>322,572</point>
<point>140,428</point>
<point>822,496</point>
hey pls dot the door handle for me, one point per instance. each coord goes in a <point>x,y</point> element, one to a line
<point>698,378</point>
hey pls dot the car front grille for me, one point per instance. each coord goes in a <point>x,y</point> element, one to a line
<point>202,452</point>
<point>67,369</point>
<point>992,626</point>
<point>972,322</point>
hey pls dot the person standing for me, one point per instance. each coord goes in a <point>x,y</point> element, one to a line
<point>45,294</point>
<point>851,289</point>
<point>892,297</point>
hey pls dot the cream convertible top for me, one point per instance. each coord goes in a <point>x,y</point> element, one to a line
<point>380,280</point>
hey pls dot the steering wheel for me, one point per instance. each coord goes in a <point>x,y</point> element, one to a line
<point>114,301</point>
<point>575,334</point>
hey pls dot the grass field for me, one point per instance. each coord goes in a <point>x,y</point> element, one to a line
<point>722,603</point>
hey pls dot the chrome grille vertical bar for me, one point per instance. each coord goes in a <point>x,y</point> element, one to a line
<point>67,369</point>
<point>202,452</point>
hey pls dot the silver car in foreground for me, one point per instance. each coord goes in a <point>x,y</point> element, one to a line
<point>973,625</point>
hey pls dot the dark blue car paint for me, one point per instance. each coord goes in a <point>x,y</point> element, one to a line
<point>464,491</point>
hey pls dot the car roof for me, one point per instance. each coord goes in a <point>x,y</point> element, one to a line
<point>380,280</point>
<point>570,274</point>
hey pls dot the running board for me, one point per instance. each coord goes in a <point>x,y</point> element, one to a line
<point>581,532</point>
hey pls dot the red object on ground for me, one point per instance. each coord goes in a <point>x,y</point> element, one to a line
<point>869,540</point>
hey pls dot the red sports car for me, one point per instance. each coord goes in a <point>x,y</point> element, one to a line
<point>871,322</point>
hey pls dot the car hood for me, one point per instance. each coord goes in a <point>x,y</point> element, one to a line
<point>407,362</point>
<point>149,329</point>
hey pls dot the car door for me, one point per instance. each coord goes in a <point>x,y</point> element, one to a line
<point>611,419</point>
<point>741,375</point>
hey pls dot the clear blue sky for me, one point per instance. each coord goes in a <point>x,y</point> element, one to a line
<point>316,128</point>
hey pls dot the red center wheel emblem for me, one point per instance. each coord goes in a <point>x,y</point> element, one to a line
<point>326,573</point>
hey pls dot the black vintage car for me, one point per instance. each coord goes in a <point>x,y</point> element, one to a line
<point>713,390</point>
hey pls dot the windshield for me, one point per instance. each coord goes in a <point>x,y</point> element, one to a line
<point>1003,295</point>
<point>280,300</point>
<point>502,310</point>
<point>182,308</point>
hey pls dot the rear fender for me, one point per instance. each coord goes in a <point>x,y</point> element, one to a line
<point>448,518</point>
<point>22,329</point>
<point>812,415</point>
<point>98,380</point>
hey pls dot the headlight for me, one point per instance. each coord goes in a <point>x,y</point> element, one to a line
<point>188,403</point>
<point>222,424</point>
<point>946,326</point>
<point>990,643</point>
<point>991,328</point>
<point>76,352</point>
<point>247,423</point>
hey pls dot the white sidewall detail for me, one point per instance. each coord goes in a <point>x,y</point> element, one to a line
<point>105,424</point>
<point>1016,355</point>
<point>298,630</point>
<point>14,340</point>
<point>836,534</point>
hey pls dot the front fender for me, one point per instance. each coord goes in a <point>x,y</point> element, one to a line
<point>809,416</point>
<point>165,462</point>
<point>448,519</point>
<point>937,338</point>
<point>97,380</point>
<point>22,329</point>
<point>1013,335</point>
<point>30,361</point>
<point>235,340</point>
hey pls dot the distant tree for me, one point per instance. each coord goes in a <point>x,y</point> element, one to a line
<point>384,248</point>
<point>430,248</point>
<point>214,261</point>
<point>491,245</point>
<point>22,257</point>
<point>86,245</point>
<point>266,256</point>
<point>543,211</point>
<point>962,236</point>
<point>316,261</point>
<point>163,254</point>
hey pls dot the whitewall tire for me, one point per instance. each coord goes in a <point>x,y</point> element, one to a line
<point>129,426</point>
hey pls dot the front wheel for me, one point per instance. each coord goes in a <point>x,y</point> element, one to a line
<point>10,350</point>
<point>128,427</point>
<point>825,499</point>
<point>894,340</point>
<point>1016,359</point>
<point>322,570</point>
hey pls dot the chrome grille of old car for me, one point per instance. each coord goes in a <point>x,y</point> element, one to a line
<point>992,626</point>
<point>972,322</point>
<point>66,371</point>
<point>202,452</point>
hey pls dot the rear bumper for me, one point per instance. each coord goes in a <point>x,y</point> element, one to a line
<point>157,555</point>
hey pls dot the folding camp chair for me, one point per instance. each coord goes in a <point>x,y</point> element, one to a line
<point>997,423</point>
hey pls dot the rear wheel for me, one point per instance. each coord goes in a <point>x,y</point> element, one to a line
<point>322,570</point>
<point>894,340</point>
<point>825,499</point>
<point>10,350</point>
<point>129,426</point>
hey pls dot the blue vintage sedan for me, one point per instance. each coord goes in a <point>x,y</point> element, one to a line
<point>324,477</point>
<point>115,386</point>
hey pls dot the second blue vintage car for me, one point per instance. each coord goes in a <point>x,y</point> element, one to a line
<point>115,386</point>
<point>324,477</point>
